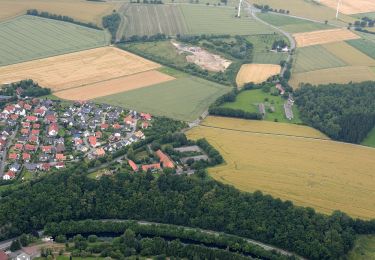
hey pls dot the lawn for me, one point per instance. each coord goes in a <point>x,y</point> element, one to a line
<point>315,58</point>
<point>185,98</point>
<point>291,24</point>
<point>364,248</point>
<point>322,174</point>
<point>202,19</point>
<point>249,99</point>
<point>153,19</point>
<point>364,45</point>
<point>262,44</point>
<point>370,139</point>
<point>28,37</point>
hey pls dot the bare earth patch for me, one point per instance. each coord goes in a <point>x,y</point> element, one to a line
<point>115,86</point>
<point>203,58</point>
<point>256,73</point>
<point>351,6</point>
<point>324,36</point>
<point>77,69</point>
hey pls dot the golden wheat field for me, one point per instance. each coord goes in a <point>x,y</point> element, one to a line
<point>324,36</point>
<point>349,54</point>
<point>114,86</point>
<point>81,10</point>
<point>318,173</point>
<point>351,6</point>
<point>256,73</point>
<point>341,75</point>
<point>77,69</point>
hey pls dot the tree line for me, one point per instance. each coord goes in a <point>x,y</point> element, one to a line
<point>112,23</point>
<point>344,112</point>
<point>24,88</point>
<point>175,199</point>
<point>96,227</point>
<point>58,17</point>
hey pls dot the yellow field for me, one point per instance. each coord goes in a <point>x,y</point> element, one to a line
<point>308,9</point>
<point>333,75</point>
<point>318,173</point>
<point>351,6</point>
<point>349,54</point>
<point>114,86</point>
<point>256,73</point>
<point>81,10</point>
<point>324,36</point>
<point>77,69</point>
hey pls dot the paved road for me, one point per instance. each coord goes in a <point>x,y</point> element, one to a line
<point>4,153</point>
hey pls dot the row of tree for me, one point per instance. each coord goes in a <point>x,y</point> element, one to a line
<point>344,112</point>
<point>24,88</point>
<point>188,235</point>
<point>58,17</point>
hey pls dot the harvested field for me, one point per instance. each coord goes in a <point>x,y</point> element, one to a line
<point>315,58</point>
<point>184,98</point>
<point>77,69</point>
<point>114,86</point>
<point>220,20</point>
<point>351,6</point>
<point>322,37</point>
<point>256,73</point>
<point>28,38</point>
<point>153,19</point>
<point>322,174</point>
<point>349,55</point>
<point>334,75</point>
<point>81,10</point>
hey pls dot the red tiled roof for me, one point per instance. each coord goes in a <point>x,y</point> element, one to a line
<point>98,134</point>
<point>12,156</point>
<point>14,116</point>
<point>167,163</point>
<point>146,116</point>
<point>25,124</point>
<point>100,152</point>
<point>35,132</point>
<point>60,157</point>
<point>36,126</point>
<point>116,126</point>
<point>11,174</point>
<point>18,146</point>
<point>46,148</point>
<point>92,140</point>
<point>104,126</point>
<point>26,156</point>
<point>133,165</point>
<point>147,167</point>
<point>32,118</point>
<point>24,131</point>
<point>33,138</point>
<point>30,147</point>
<point>27,106</point>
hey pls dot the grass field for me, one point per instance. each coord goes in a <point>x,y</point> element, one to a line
<point>262,44</point>
<point>322,174</point>
<point>314,58</point>
<point>185,98</point>
<point>349,55</point>
<point>370,139</point>
<point>81,10</point>
<point>152,19</point>
<point>334,75</point>
<point>364,248</point>
<point>78,69</point>
<point>308,9</point>
<point>292,25</point>
<point>28,37</point>
<point>202,19</point>
<point>365,46</point>
<point>256,73</point>
<point>249,99</point>
<point>323,37</point>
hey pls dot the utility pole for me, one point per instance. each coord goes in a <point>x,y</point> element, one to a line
<point>239,9</point>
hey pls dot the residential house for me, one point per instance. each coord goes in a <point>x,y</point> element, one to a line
<point>60,157</point>
<point>93,141</point>
<point>15,167</point>
<point>100,152</point>
<point>9,176</point>
<point>53,129</point>
<point>26,157</point>
<point>146,116</point>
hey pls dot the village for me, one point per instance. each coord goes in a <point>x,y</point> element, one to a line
<point>38,135</point>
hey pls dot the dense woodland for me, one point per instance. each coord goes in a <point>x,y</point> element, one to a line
<point>181,200</point>
<point>344,112</point>
<point>58,17</point>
